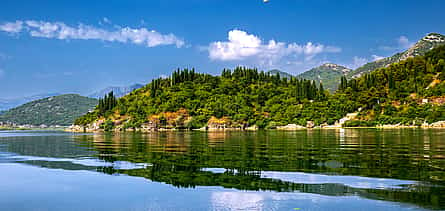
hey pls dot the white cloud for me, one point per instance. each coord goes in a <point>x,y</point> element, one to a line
<point>242,46</point>
<point>402,43</point>
<point>358,62</point>
<point>376,57</point>
<point>12,27</point>
<point>106,20</point>
<point>59,30</point>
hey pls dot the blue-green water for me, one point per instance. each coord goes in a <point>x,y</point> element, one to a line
<point>352,169</point>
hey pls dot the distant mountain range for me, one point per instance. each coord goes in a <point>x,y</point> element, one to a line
<point>281,73</point>
<point>56,110</point>
<point>118,91</point>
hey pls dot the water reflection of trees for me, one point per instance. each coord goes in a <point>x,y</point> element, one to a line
<point>362,153</point>
<point>179,159</point>
<point>191,177</point>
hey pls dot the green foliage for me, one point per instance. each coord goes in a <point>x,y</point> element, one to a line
<point>108,125</point>
<point>328,74</point>
<point>248,97</point>
<point>405,84</point>
<point>281,73</point>
<point>107,103</point>
<point>421,48</point>
<point>87,118</point>
<point>58,110</point>
<point>359,123</point>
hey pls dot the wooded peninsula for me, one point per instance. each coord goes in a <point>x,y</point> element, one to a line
<point>406,94</point>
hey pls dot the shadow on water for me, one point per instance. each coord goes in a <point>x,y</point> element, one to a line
<point>405,166</point>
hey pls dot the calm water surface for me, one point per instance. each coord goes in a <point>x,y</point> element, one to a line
<point>366,169</point>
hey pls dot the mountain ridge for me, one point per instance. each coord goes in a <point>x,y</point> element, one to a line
<point>8,103</point>
<point>54,110</point>
<point>119,91</point>
<point>328,74</point>
<point>281,73</point>
<point>420,48</point>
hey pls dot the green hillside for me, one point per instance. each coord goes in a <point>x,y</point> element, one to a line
<point>245,97</point>
<point>424,45</point>
<point>410,92</point>
<point>237,98</point>
<point>328,74</point>
<point>57,110</point>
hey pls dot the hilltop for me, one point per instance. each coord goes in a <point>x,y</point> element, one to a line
<point>328,74</point>
<point>423,46</point>
<point>9,103</point>
<point>56,110</point>
<point>118,91</point>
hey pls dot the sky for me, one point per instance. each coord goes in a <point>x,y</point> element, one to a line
<point>53,46</point>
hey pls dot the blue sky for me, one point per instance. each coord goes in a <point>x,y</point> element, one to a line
<point>82,46</point>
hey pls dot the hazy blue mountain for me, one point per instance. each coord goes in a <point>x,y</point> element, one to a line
<point>282,74</point>
<point>6,104</point>
<point>56,110</point>
<point>118,91</point>
<point>328,74</point>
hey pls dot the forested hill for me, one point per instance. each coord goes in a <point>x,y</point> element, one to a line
<point>409,92</point>
<point>57,110</point>
<point>328,74</point>
<point>238,97</point>
<point>424,45</point>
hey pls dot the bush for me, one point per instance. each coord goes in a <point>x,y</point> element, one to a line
<point>261,124</point>
<point>272,125</point>
<point>359,123</point>
<point>195,123</point>
<point>107,126</point>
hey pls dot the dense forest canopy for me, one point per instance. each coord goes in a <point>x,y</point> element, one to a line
<point>245,97</point>
<point>408,92</point>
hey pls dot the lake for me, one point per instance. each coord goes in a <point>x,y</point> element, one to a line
<point>346,169</point>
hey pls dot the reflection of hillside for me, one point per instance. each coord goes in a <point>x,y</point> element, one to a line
<point>190,177</point>
<point>362,153</point>
<point>217,137</point>
<point>44,146</point>
<point>180,159</point>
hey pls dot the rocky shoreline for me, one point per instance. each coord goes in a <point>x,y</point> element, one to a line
<point>289,127</point>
